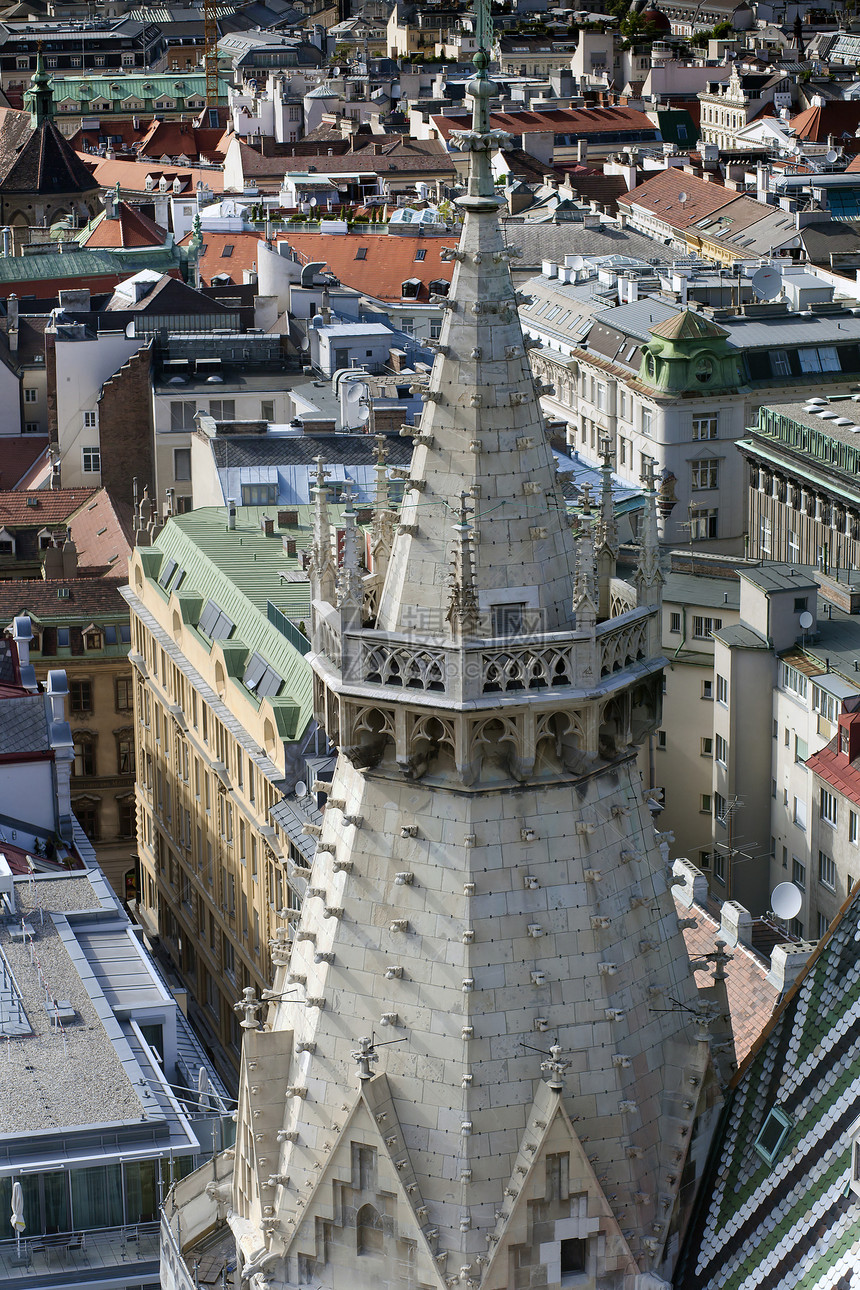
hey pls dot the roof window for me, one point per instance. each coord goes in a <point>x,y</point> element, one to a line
<point>214,623</point>
<point>260,678</point>
<point>774,1132</point>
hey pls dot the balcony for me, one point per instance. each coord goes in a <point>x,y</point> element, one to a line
<point>72,1258</point>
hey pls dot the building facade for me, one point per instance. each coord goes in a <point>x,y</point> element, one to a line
<point>222,712</point>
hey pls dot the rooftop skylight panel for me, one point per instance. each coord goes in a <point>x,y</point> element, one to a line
<point>774,1132</point>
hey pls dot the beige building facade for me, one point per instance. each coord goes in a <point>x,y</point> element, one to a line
<point>223,718</point>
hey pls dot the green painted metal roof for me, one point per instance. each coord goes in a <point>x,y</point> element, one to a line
<point>791,1222</point>
<point>241,570</point>
<point>79,264</point>
<point>116,88</point>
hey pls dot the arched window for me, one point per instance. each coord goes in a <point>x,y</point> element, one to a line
<point>368,1225</point>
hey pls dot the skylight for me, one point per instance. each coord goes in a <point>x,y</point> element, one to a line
<point>774,1132</point>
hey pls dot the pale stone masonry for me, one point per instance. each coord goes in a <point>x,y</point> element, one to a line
<point>484,1056</point>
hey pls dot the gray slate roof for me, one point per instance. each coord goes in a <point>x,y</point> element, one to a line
<point>24,727</point>
<point>553,241</point>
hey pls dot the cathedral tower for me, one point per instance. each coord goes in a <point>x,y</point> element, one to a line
<point>483,1048</point>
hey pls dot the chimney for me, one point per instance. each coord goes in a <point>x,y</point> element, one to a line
<point>268,526</point>
<point>231,512</point>
<point>12,320</point>
<point>70,557</point>
<point>582,150</point>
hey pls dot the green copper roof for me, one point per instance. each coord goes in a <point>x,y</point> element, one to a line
<point>791,1222</point>
<point>241,571</point>
<point>688,325</point>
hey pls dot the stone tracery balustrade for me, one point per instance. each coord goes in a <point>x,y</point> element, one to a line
<point>504,665</point>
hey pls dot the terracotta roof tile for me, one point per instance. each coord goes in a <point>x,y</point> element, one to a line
<point>838,117</point>
<point>387,263</point>
<point>661,196</point>
<point>42,506</point>
<point>213,261</point>
<point>129,228</point>
<point>87,598</point>
<point>751,998</point>
<point>101,535</point>
<point>18,456</point>
<point>582,121</point>
<point>131,175</point>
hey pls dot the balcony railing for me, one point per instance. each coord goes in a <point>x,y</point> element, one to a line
<point>39,1260</point>
<point>548,661</point>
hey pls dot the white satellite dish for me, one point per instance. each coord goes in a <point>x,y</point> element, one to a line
<point>806,620</point>
<point>302,791</point>
<point>831,156</point>
<point>786,900</point>
<point>356,395</point>
<point>577,262</point>
<point>767,283</point>
<point>682,197</point>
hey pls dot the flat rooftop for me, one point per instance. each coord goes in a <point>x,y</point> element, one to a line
<point>58,1078</point>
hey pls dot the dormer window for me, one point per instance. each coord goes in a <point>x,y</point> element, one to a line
<point>844,741</point>
<point>7,543</point>
<point>410,288</point>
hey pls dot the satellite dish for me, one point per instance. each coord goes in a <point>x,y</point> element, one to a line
<point>806,620</point>
<point>357,409</point>
<point>786,900</point>
<point>577,262</point>
<point>767,283</point>
<point>831,156</point>
<point>302,791</point>
<point>682,197</point>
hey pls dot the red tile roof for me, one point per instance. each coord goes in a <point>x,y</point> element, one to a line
<point>661,196</point>
<point>41,506</point>
<point>87,599</point>
<point>18,456</point>
<point>751,997</point>
<point>835,769</point>
<point>129,228</point>
<point>131,175</point>
<point>839,117</point>
<point>580,121</point>
<point>181,139</point>
<point>213,261</point>
<point>388,262</point>
<point>102,537</point>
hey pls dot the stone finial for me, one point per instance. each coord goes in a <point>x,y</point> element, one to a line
<point>250,1005</point>
<point>365,1055</point>
<point>554,1069</point>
